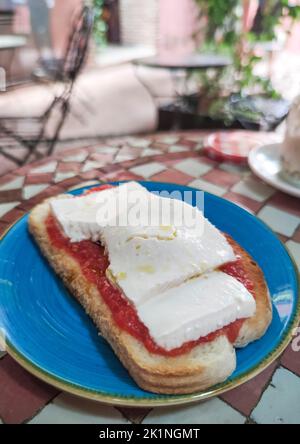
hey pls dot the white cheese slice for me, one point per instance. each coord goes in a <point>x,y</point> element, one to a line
<point>195,308</point>
<point>144,267</point>
<point>153,242</point>
<point>83,217</point>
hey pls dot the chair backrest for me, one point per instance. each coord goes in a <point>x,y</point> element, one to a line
<point>78,45</point>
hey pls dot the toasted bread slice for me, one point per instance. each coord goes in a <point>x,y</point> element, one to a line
<point>205,365</point>
<point>254,327</point>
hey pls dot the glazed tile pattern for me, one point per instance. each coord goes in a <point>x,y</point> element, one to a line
<point>272,396</point>
<point>68,409</point>
<point>279,402</point>
<point>214,411</point>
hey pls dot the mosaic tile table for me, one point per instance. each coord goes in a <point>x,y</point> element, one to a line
<point>273,396</point>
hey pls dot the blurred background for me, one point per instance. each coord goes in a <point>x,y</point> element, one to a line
<point>129,66</point>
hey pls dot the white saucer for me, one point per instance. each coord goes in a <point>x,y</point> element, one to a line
<point>265,162</point>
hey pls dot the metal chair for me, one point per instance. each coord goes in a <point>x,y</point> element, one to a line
<point>37,143</point>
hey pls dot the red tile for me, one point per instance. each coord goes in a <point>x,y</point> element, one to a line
<point>135,162</point>
<point>174,176</point>
<point>71,182</point>
<point>245,397</point>
<point>246,202</point>
<point>10,195</point>
<point>221,178</point>
<point>26,205</point>
<point>123,175</point>
<point>22,395</point>
<point>135,415</point>
<point>291,358</point>
<point>53,190</point>
<point>30,203</point>
<point>90,175</point>
<point>7,178</point>
<point>285,202</point>
<point>282,237</point>
<point>173,158</point>
<point>111,168</point>
<point>23,170</point>
<point>71,152</point>
<point>3,227</point>
<point>159,146</point>
<point>179,156</point>
<point>187,143</point>
<point>129,150</point>
<point>296,236</point>
<point>32,179</point>
<point>104,158</point>
<point>69,166</point>
<point>208,161</point>
<point>170,162</point>
<point>12,216</point>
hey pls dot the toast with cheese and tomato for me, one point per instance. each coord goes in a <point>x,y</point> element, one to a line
<point>172,298</point>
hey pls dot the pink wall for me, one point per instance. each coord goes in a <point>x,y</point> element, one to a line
<point>61,17</point>
<point>61,22</point>
<point>178,21</point>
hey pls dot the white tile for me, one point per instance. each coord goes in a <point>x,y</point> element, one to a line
<point>32,190</point>
<point>79,157</point>
<point>294,248</point>
<point>48,168</point>
<point>177,149</point>
<point>106,150</point>
<point>68,409</point>
<point>199,146</point>
<point>280,221</point>
<point>137,142</point>
<point>150,152</point>
<point>91,165</point>
<point>254,189</point>
<point>6,207</point>
<point>207,186</point>
<point>280,402</point>
<point>63,175</point>
<point>124,157</point>
<point>13,184</point>
<point>235,168</point>
<point>192,167</point>
<point>195,138</point>
<point>148,170</point>
<point>213,411</point>
<point>167,139</point>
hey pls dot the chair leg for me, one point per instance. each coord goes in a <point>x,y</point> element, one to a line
<point>54,139</point>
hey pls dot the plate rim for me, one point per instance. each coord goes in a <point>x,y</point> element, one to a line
<point>165,400</point>
<point>286,186</point>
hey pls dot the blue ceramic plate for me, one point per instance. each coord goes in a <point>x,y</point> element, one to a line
<point>49,334</point>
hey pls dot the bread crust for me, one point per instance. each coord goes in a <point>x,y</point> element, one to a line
<point>204,366</point>
<point>255,327</point>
